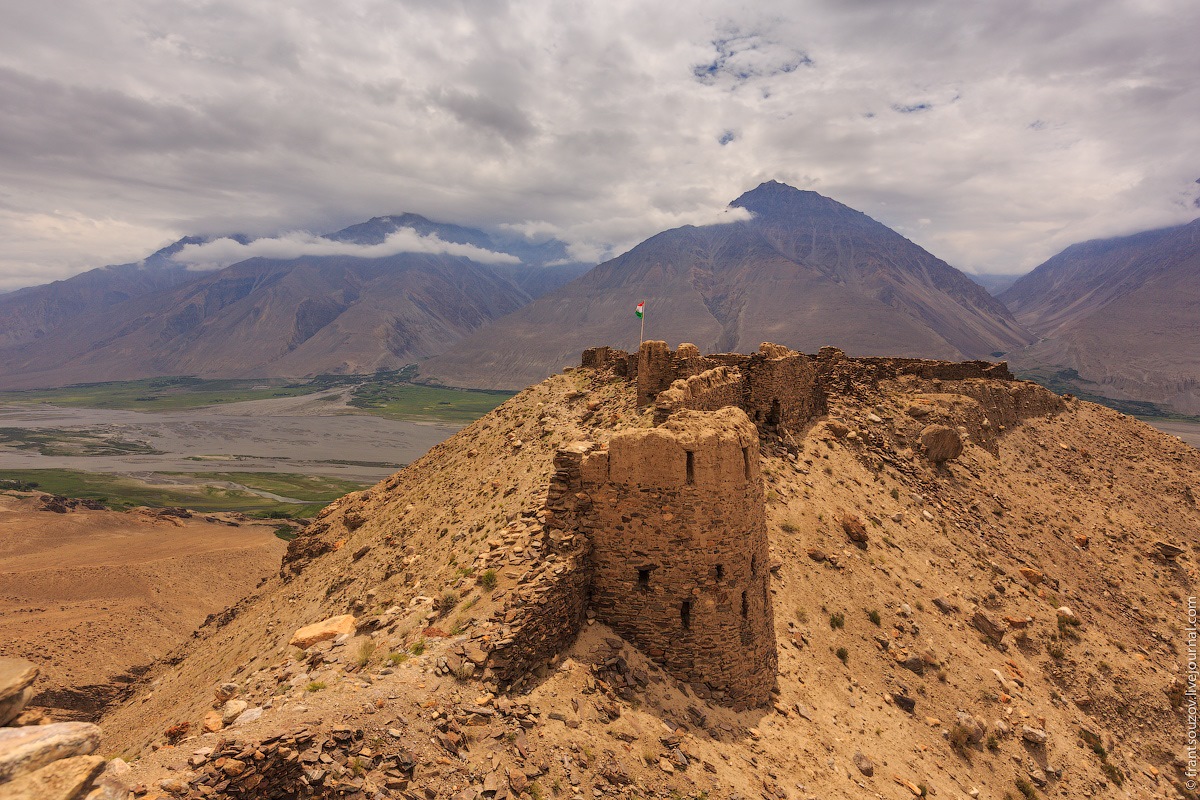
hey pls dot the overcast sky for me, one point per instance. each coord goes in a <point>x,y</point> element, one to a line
<point>993,133</point>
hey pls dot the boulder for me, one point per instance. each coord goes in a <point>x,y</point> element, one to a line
<point>16,686</point>
<point>975,727</point>
<point>65,779</point>
<point>331,628</point>
<point>941,443</point>
<point>1033,735</point>
<point>864,764</point>
<point>226,691</point>
<point>987,626</point>
<point>232,710</point>
<point>24,750</point>
<point>855,530</point>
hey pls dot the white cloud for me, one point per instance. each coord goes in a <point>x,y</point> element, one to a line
<point>223,252</point>
<point>1022,126</point>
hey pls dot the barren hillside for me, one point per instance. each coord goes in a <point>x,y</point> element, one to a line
<point>1006,621</point>
<point>94,597</point>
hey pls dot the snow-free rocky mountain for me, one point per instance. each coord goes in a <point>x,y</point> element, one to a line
<point>264,317</point>
<point>805,271</point>
<point>1119,318</point>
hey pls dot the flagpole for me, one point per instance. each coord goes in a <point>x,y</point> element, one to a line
<point>642,336</point>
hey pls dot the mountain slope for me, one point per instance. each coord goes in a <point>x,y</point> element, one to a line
<point>443,558</point>
<point>264,317</point>
<point>1123,313</point>
<point>804,271</point>
<point>34,312</point>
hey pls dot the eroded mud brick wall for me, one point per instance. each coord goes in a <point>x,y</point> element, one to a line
<point>543,615</point>
<point>707,391</point>
<point>679,551</point>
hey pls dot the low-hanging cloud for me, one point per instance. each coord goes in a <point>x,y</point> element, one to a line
<point>221,253</point>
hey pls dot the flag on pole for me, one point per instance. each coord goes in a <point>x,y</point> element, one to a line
<point>641,310</point>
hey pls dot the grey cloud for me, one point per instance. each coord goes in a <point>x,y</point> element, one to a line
<point>131,123</point>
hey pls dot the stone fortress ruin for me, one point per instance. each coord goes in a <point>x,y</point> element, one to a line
<point>660,532</point>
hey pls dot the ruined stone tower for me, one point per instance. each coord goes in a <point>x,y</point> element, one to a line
<point>679,550</point>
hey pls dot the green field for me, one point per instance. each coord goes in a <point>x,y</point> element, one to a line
<point>55,442</point>
<point>313,488</point>
<point>121,492</point>
<point>414,402</point>
<point>161,394</point>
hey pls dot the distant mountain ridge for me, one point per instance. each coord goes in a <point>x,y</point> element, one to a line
<point>264,317</point>
<point>1119,317</point>
<point>805,271</point>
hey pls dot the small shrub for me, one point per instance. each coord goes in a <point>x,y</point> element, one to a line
<point>316,686</point>
<point>395,659</point>
<point>843,655</point>
<point>464,572</point>
<point>993,743</point>
<point>895,493</point>
<point>365,651</point>
<point>1111,772</point>
<point>447,602</point>
<point>873,615</point>
<point>1026,789</point>
<point>789,527</point>
<point>418,647</point>
<point>1055,650</point>
<point>960,738</point>
<point>488,579</point>
<point>837,620</point>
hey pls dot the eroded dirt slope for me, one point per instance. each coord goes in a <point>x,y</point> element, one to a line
<point>1013,622</point>
<point>94,597</point>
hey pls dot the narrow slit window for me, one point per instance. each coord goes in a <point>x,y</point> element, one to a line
<point>643,579</point>
<point>691,467</point>
<point>720,572</point>
<point>685,613</point>
<point>745,606</point>
<point>746,462</point>
<point>753,566</point>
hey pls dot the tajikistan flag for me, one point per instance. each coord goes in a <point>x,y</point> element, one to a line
<point>640,310</point>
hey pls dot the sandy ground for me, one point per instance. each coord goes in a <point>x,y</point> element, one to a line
<point>293,434</point>
<point>89,595</point>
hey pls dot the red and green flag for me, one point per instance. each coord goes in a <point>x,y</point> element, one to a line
<point>640,310</point>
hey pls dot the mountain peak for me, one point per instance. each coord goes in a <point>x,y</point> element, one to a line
<point>775,199</point>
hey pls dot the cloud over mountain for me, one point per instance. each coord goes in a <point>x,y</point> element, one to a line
<point>225,251</point>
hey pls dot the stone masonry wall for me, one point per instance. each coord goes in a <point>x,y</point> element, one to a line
<point>777,387</point>
<point>544,614</point>
<point>708,391</point>
<point>679,551</point>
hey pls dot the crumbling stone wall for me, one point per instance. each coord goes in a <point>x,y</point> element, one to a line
<point>782,388</point>
<point>655,371</point>
<point>544,614</point>
<point>679,555</point>
<point>777,387</point>
<point>707,391</point>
